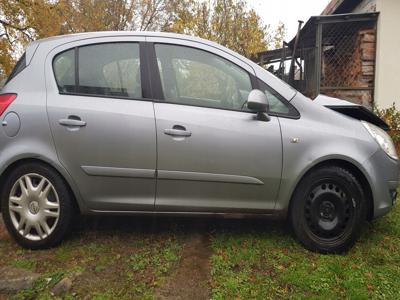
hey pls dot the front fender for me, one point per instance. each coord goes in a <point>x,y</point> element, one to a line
<point>320,135</point>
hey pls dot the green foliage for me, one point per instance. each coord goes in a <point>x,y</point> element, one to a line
<point>391,116</point>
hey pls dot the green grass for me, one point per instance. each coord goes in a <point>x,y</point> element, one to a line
<point>111,264</point>
<point>268,264</point>
<point>251,259</point>
<point>23,263</point>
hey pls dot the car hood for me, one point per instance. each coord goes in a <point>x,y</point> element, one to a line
<point>350,109</point>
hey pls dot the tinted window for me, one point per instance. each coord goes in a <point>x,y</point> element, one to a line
<point>110,69</point>
<point>195,77</point>
<point>104,69</point>
<point>64,70</point>
<point>21,64</point>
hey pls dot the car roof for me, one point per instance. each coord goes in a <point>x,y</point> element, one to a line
<point>99,34</point>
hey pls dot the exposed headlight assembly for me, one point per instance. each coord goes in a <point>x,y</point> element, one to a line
<point>382,138</point>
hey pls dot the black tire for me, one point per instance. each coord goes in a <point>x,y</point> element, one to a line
<point>66,208</point>
<point>328,210</point>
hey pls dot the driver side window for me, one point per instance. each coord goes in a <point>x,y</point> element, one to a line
<point>195,77</point>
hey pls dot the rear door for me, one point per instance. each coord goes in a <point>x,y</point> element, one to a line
<point>213,154</point>
<point>102,124</point>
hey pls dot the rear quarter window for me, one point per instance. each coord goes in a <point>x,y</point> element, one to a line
<point>21,64</point>
<point>64,71</point>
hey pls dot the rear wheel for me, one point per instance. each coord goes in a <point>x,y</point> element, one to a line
<point>328,210</point>
<point>36,205</point>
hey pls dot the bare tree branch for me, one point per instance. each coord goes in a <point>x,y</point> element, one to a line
<point>22,30</point>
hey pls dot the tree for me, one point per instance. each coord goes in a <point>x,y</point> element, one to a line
<point>22,22</point>
<point>228,22</point>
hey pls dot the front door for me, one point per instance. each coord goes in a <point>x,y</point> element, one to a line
<point>103,130</point>
<point>213,155</point>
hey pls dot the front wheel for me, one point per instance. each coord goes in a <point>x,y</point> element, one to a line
<point>36,205</point>
<point>328,210</point>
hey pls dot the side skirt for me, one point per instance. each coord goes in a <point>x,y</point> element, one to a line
<point>229,215</point>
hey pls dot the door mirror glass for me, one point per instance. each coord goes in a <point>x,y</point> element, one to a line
<point>257,101</point>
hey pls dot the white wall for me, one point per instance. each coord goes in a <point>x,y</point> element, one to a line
<point>366,6</point>
<point>387,75</point>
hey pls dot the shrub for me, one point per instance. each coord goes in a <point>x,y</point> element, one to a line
<point>391,116</point>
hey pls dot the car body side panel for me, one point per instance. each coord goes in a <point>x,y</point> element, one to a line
<point>113,157</point>
<point>34,139</point>
<point>338,137</point>
<point>319,135</point>
<point>232,161</point>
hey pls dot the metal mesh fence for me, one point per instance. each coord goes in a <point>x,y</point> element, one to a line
<point>348,61</point>
<point>335,56</point>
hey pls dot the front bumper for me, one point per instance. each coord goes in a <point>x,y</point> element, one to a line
<point>383,176</point>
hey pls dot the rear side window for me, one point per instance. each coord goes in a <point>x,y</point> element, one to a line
<point>111,69</point>
<point>21,64</point>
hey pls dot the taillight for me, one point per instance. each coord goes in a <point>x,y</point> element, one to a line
<point>5,101</point>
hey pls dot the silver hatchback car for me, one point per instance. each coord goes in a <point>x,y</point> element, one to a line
<point>156,123</point>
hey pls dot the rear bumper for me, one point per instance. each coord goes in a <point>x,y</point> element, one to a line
<point>383,173</point>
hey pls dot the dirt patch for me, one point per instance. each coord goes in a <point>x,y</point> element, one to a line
<point>3,231</point>
<point>190,280</point>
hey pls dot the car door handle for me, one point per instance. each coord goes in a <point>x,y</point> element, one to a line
<point>178,130</point>
<point>72,121</point>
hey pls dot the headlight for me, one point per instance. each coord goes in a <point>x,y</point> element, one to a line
<point>382,138</point>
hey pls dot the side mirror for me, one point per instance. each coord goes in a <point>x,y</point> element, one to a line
<point>258,102</point>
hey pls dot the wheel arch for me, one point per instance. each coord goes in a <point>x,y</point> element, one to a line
<point>352,168</point>
<point>11,166</point>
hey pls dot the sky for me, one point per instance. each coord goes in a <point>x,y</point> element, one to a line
<point>287,11</point>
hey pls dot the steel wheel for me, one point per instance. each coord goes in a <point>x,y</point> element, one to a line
<point>328,210</point>
<point>34,207</point>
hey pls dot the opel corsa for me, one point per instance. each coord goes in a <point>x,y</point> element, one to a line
<point>153,123</point>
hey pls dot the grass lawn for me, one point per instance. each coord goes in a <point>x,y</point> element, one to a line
<point>269,264</point>
<point>249,259</point>
<point>109,261</point>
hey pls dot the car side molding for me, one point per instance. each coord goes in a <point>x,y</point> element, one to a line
<point>210,177</point>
